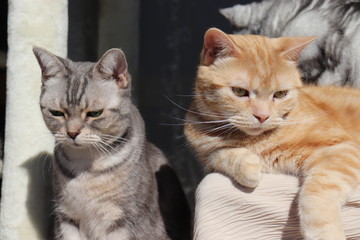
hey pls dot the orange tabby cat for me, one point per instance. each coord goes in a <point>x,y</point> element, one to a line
<point>251,114</point>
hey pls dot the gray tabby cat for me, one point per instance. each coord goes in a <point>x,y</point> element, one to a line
<point>108,181</point>
<point>334,58</point>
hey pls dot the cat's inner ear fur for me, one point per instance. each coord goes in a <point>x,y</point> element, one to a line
<point>291,47</point>
<point>50,64</point>
<point>216,45</point>
<point>113,65</point>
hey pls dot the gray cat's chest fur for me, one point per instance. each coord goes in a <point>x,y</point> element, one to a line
<point>77,202</point>
<point>122,195</point>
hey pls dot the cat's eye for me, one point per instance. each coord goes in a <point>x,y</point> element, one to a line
<point>280,94</point>
<point>94,114</point>
<point>56,113</point>
<point>240,92</point>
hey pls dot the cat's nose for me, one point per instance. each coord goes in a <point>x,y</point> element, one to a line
<point>73,135</point>
<point>261,118</point>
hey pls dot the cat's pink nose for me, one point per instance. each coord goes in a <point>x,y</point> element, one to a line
<point>261,118</point>
<point>73,135</point>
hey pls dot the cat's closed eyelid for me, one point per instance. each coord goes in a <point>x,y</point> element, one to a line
<point>94,114</point>
<point>57,113</point>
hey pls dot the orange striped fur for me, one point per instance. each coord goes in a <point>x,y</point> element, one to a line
<point>311,132</point>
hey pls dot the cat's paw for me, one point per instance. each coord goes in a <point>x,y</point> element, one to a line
<point>249,170</point>
<point>238,163</point>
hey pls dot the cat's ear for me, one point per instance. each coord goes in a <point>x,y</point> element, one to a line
<point>113,65</point>
<point>50,64</point>
<point>217,44</point>
<point>291,47</point>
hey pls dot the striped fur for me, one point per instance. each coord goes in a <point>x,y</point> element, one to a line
<point>106,176</point>
<point>334,58</point>
<point>310,132</point>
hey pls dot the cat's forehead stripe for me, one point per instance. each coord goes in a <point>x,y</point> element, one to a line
<point>72,90</point>
<point>84,85</point>
<point>76,87</point>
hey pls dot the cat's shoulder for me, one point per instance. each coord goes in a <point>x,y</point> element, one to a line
<point>331,98</point>
<point>155,156</point>
<point>334,91</point>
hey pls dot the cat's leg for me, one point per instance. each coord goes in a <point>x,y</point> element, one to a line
<point>67,231</point>
<point>330,177</point>
<point>120,233</point>
<point>240,164</point>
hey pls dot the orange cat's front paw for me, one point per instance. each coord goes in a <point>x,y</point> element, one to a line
<point>249,170</point>
<point>240,164</point>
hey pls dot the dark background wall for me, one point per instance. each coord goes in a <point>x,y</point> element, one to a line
<point>3,50</point>
<point>162,40</point>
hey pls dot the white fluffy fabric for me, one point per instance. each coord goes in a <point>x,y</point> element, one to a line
<point>24,202</point>
<point>227,211</point>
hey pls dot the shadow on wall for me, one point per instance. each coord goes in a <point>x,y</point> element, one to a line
<point>38,201</point>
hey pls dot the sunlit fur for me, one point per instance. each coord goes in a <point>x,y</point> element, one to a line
<point>313,132</point>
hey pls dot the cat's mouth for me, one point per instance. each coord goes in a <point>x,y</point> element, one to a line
<point>77,145</point>
<point>74,144</point>
<point>255,131</point>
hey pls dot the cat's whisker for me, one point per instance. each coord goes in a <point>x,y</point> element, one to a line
<point>107,138</point>
<point>58,145</point>
<point>183,121</point>
<point>192,95</point>
<point>110,137</point>
<point>198,113</point>
<point>222,127</point>
<point>108,146</point>
<point>112,140</point>
<point>225,127</point>
<point>113,137</point>
<point>92,148</point>
<point>207,122</point>
<point>95,146</point>
<point>231,129</point>
<point>107,135</point>
<point>243,122</point>
<point>101,148</point>
<point>172,124</point>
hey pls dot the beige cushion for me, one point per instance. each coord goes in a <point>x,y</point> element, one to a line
<point>225,210</point>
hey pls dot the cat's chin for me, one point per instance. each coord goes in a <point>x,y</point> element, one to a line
<point>75,145</point>
<point>254,131</point>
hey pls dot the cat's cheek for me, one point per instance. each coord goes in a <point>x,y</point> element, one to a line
<point>54,125</point>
